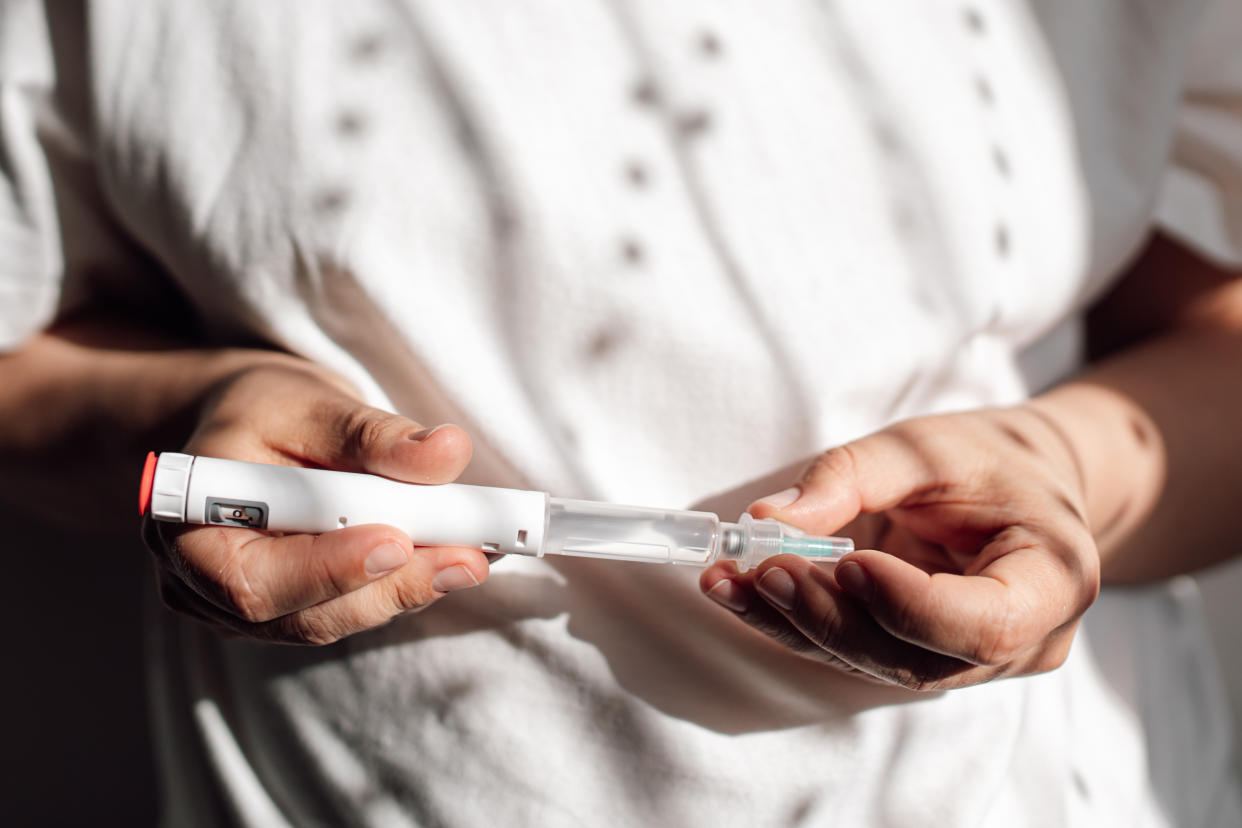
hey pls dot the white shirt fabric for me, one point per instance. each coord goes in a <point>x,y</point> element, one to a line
<point>643,252</point>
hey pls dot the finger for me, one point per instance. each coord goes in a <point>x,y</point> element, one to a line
<point>809,598</point>
<point>871,474</point>
<point>258,577</point>
<point>718,583</point>
<point>1013,605</point>
<point>736,592</point>
<point>432,573</point>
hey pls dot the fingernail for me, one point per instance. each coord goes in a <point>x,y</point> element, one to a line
<point>386,558</point>
<point>782,499</point>
<point>777,587</point>
<point>855,580</point>
<point>419,436</point>
<point>454,578</point>
<point>729,595</point>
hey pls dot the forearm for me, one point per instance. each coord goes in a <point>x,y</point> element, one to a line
<point>82,403</point>
<point>1155,431</point>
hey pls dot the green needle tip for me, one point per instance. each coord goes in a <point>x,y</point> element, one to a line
<point>816,548</point>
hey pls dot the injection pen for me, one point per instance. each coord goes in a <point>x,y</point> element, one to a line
<point>181,488</point>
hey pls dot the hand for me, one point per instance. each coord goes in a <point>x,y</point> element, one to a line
<point>309,589</point>
<point>987,561</point>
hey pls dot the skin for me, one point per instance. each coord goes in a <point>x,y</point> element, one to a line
<point>311,589</point>
<point>104,392</point>
<point>991,528</point>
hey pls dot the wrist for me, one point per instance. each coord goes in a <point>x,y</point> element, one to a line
<point>1117,452</point>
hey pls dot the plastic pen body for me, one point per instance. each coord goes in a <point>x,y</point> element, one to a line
<point>205,490</point>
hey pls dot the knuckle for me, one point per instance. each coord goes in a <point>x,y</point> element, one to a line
<point>336,582</point>
<point>1052,653</point>
<point>1049,661</point>
<point>838,462</point>
<point>366,430</point>
<point>938,447</point>
<point>408,595</point>
<point>177,549</point>
<point>932,429</point>
<point>934,672</point>
<point>834,470</point>
<point>828,632</point>
<point>191,551</point>
<point>247,603</point>
<point>248,606</point>
<point>1002,641</point>
<point>1074,570</point>
<point>917,683</point>
<point>1089,574</point>
<point>920,683</point>
<point>312,629</point>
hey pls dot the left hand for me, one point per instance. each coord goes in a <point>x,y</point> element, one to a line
<point>987,563</point>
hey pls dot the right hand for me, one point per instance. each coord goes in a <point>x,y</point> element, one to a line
<point>310,589</point>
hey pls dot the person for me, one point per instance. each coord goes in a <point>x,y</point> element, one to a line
<point>664,255</point>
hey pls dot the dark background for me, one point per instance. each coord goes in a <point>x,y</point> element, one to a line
<point>76,742</point>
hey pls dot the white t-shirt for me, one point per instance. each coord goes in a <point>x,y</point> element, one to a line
<point>644,252</point>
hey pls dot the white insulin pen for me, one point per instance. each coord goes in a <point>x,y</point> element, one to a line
<point>185,489</point>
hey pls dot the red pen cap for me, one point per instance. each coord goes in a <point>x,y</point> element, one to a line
<point>148,481</point>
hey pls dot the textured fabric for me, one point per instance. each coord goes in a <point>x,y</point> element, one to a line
<point>29,264</point>
<point>644,252</point>
<point>1201,198</point>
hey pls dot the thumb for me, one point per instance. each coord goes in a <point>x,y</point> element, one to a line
<point>302,413</point>
<point>330,428</point>
<point>990,618</point>
<point>871,474</point>
<point>378,442</point>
